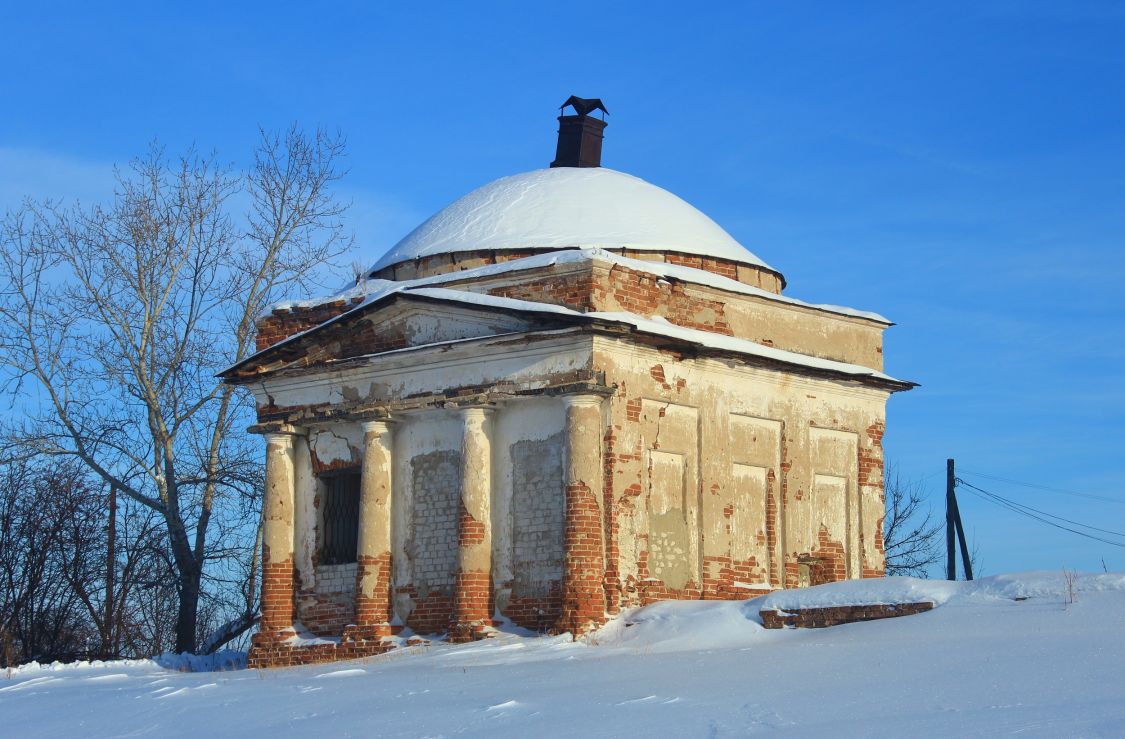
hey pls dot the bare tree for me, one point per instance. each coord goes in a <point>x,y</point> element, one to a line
<point>119,316</point>
<point>40,617</point>
<point>911,536</point>
<point>112,570</point>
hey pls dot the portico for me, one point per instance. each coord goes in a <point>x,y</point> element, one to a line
<point>481,571</point>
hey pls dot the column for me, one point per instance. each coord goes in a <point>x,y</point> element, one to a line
<point>473,587</point>
<point>373,551</point>
<point>583,604</point>
<point>278,609</point>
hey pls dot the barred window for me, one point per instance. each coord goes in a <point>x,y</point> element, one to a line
<point>340,519</point>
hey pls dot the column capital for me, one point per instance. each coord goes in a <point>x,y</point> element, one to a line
<point>377,426</point>
<point>475,412</point>
<point>274,438</point>
<point>583,400</point>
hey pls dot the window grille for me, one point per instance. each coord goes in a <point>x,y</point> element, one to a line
<point>340,517</point>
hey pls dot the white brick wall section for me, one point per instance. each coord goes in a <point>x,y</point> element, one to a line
<point>331,579</point>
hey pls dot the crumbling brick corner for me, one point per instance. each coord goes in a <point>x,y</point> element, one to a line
<point>281,649</point>
<point>817,618</point>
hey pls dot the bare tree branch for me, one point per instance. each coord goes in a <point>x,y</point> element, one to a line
<point>120,315</point>
<point>910,534</point>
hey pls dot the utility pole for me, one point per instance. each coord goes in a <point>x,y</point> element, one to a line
<point>965,563</point>
<point>954,528</point>
<point>950,507</point>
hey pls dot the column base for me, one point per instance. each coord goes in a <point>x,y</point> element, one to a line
<point>268,650</point>
<point>470,632</point>
<point>472,607</point>
<point>370,631</point>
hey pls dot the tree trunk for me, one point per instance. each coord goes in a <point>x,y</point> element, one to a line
<point>109,632</point>
<point>188,610</point>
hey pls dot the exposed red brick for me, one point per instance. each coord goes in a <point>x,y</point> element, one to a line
<point>537,613</point>
<point>431,613</point>
<point>583,579</point>
<point>374,611</point>
<point>817,618</point>
<point>285,322</point>
<point>469,530</point>
<point>277,604</point>
<point>267,651</point>
<point>472,606</point>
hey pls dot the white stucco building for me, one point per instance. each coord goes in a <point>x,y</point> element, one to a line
<point>566,393</point>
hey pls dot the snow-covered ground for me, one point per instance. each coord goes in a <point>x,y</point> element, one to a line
<point>980,664</point>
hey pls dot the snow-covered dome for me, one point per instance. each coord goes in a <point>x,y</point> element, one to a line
<point>569,207</point>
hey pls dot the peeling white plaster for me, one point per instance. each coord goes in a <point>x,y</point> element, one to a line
<point>340,442</point>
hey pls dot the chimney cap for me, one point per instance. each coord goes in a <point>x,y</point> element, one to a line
<point>584,106</point>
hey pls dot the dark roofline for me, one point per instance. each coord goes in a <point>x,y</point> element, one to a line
<point>295,340</point>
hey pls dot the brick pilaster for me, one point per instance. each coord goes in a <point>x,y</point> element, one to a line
<point>373,552</point>
<point>472,594</point>
<point>583,605</point>
<point>278,607</point>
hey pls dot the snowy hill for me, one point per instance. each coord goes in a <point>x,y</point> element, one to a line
<point>1007,654</point>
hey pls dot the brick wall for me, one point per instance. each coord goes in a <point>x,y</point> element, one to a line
<point>278,607</point>
<point>816,618</point>
<point>375,610</point>
<point>472,606</point>
<point>726,572</point>
<point>537,532</point>
<point>625,290</point>
<point>433,543</point>
<point>330,606</point>
<point>725,578</point>
<point>539,612</point>
<point>440,264</point>
<point>871,479</point>
<point>270,652</point>
<point>584,600</point>
<point>573,291</point>
<point>284,322</point>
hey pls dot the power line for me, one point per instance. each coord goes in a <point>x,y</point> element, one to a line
<point>1045,487</point>
<point>1043,513</point>
<point>1049,523</point>
<point>1037,515</point>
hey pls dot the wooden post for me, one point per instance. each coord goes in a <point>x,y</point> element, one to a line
<point>950,507</point>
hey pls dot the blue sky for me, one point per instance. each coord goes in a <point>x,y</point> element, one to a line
<point>959,167</point>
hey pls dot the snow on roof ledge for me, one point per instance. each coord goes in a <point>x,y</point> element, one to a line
<point>722,342</point>
<point>654,326</point>
<point>569,207</point>
<point>580,256</point>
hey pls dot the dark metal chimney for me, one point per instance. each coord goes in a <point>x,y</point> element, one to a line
<point>580,136</point>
